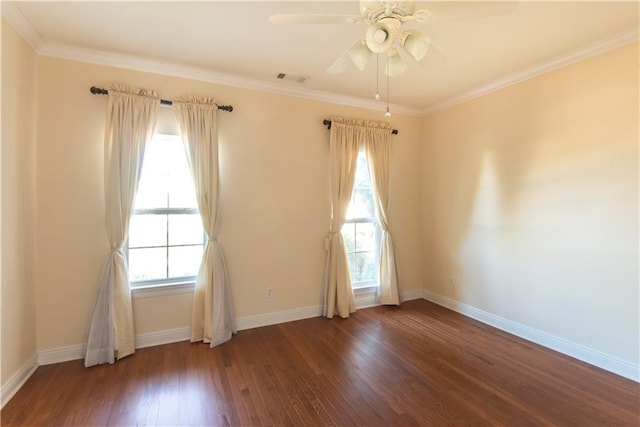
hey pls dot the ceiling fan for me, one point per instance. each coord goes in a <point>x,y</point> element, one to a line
<point>384,34</point>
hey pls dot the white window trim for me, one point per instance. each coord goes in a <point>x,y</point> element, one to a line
<point>369,284</point>
<point>163,289</point>
<point>168,286</point>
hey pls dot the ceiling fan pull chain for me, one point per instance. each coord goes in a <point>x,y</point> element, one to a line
<point>377,77</point>
<point>387,113</point>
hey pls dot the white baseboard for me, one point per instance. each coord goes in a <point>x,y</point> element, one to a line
<point>410,295</point>
<point>163,337</point>
<point>249,322</point>
<point>60,354</point>
<point>75,352</point>
<point>578,351</point>
<point>17,380</point>
<point>588,355</point>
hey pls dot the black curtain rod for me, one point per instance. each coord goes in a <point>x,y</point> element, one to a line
<point>99,91</point>
<point>327,123</point>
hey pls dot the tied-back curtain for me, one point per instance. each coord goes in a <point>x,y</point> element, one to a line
<point>212,317</point>
<point>344,144</point>
<point>130,123</point>
<point>377,141</point>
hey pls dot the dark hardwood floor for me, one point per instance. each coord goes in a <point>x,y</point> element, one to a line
<point>420,364</point>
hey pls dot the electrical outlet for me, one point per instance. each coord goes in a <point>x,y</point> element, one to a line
<point>452,282</point>
<point>269,292</point>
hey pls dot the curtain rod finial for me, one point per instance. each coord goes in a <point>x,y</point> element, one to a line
<point>98,91</point>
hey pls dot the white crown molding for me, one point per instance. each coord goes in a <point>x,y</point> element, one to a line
<point>12,14</point>
<point>17,380</point>
<point>601,46</point>
<point>577,351</point>
<point>27,31</point>
<point>196,73</point>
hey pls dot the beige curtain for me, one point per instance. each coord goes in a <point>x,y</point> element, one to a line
<point>131,119</point>
<point>344,144</point>
<point>212,317</point>
<point>377,141</point>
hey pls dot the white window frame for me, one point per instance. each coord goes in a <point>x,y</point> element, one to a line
<point>166,286</point>
<point>375,283</point>
<point>367,283</point>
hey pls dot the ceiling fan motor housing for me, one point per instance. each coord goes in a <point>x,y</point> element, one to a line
<point>374,9</point>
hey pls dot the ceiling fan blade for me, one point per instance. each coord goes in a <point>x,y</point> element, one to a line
<point>341,64</point>
<point>434,49</point>
<point>302,18</point>
<point>358,54</point>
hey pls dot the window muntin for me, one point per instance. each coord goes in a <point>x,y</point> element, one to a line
<point>166,238</point>
<point>361,231</point>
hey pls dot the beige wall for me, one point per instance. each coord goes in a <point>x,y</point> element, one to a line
<point>18,189</point>
<point>274,198</point>
<point>530,202</point>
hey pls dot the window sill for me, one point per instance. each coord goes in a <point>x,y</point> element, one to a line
<point>151,291</point>
<point>367,289</point>
<point>162,290</point>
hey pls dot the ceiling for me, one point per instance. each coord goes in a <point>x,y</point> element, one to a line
<point>480,45</point>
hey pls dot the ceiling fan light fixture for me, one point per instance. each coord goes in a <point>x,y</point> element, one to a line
<point>381,35</point>
<point>395,64</point>
<point>415,44</point>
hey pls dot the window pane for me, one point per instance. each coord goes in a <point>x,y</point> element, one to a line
<point>361,205</point>
<point>348,235</point>
<point>366,267</point>
<point>361,235</point>
<point>154,179</point>
<point>184,260</point>
<point>152,192</point>
<point>366,239</point>
<point>147,264</point>
<point>362,172</point>
<point>182,193</point>
<point>351,259</point>
<point>148,230</point>
<point>185,229</point>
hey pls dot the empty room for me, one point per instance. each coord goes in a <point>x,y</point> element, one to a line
<point>349,213</point>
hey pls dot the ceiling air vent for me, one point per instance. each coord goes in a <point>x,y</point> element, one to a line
<point>292,77</point>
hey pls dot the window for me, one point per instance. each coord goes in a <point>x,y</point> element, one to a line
<point>166,238</point>
<point>361,231</point>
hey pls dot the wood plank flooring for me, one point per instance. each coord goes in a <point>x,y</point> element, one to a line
<point>419,364</point>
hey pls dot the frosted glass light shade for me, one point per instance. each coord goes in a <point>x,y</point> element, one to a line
<point>395,64</point>
<point>360,54</point>
<point>416,44</point>
<point>380,36</point>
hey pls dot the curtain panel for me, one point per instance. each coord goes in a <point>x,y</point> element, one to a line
<point>130,124</point>
<point>347,136</point>
<point>377,142</point>
<point>344,144</point>
<point>212,317</point>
